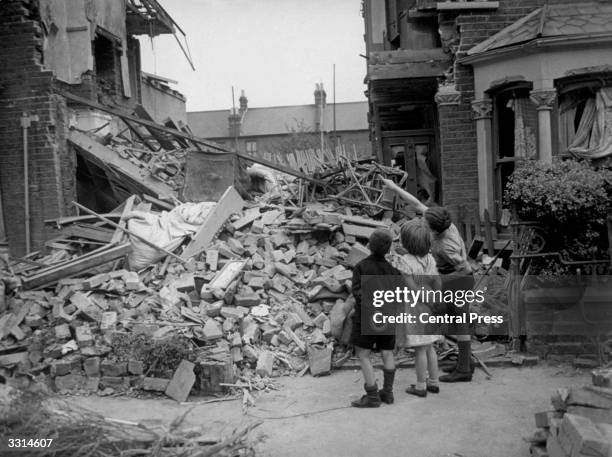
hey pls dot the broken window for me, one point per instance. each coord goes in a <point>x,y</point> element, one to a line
<point>107,66</point>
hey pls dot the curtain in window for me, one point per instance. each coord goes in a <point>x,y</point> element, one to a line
<point>567,115</point>
<point>524,135</point>
<point>593,139</point>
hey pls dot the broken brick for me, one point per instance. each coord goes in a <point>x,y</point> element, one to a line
<point>602,378</point>
<point>69,382</point>
<point>250,353</point>
<point>91,366</point>
<point>212,330</point>
<point>132,281</point>
<point>265,364</point>
<point>83,335</point>
<point>249,330</point>
<point>235,246</point>
<point>293,321</point>
<point>212,309</point>
<point>155,384</point>
<point>108,321</point>
<point>87,310</point>
<point>247,300</point>
<point>284,338</point>
<point>234,312</point>
<point>114,382</point>
<point>257,282</point>
<point>584,436</point>
<point>60,368</point>
<point>95,281</point>
<point>320,319</point>
<point>62,332</point>
<point>113,369</point>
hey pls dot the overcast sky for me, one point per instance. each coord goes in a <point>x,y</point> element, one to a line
<point>276,50</point>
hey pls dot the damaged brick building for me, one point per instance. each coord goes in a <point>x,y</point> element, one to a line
<point>462,90</point>
<point>52,47</point>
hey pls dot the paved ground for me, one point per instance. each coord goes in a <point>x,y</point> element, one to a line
<point>308,416</point>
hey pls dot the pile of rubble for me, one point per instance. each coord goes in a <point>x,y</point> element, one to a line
<point>259,291</point>
<point>580,423</point>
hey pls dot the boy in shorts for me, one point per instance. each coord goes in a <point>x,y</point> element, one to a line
<point>373,265</point>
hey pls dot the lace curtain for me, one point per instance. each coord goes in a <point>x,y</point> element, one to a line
<point>524,134</point>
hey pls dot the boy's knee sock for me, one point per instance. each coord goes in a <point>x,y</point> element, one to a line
<point>465,355</point>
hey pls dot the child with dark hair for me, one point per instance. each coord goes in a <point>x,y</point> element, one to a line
<point>373,265</point>
<point>420,267</point>
<point>447,246</point>
<point>448,250</point>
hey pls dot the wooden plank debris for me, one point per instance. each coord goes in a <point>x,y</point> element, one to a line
<point>51,275</point>
<point>229,203</point>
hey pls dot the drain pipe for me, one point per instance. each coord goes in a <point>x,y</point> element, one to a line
<point>26,123</point>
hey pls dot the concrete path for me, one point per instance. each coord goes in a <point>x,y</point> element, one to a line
<point>309,417</point>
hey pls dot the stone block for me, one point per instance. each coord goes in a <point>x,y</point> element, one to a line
<point>182,382</point>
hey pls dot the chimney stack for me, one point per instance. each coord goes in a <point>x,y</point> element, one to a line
<point>235,119</point>
<point>320,96</point>
<point>243,102</point>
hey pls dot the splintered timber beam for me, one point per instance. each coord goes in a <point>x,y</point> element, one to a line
<point>51,275</point>
<point>212,147</point>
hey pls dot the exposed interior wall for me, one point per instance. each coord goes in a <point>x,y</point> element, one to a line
<point>162,103</point>
<point>77,33</point>
<point>26,86</point>
<point>71,26</point>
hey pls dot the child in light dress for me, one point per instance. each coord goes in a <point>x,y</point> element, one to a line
<point>419,267</point>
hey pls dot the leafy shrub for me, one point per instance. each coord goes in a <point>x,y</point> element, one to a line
<point>158,356</point>
<point>570,199</point>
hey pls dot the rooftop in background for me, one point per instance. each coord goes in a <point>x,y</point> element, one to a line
<point>280,120</point>
<point>586,20</point>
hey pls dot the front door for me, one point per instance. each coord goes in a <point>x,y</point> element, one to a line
<point>418,157</point>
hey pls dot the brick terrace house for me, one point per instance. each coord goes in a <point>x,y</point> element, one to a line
<point>266,131</point>
<point>88,48</point>
<point>468,88</point>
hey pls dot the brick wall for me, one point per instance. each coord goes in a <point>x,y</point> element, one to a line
<point>25,86</point>
<point>457,129</point>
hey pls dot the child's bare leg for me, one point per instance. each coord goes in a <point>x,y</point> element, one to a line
<point>420,364</point>
<point>388,360</point>
<point>366,366</point>
<point>432,364</point>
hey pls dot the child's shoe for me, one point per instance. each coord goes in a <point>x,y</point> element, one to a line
<point>386,393</point>
<point>413,390</point>
<point>433,387</point>
<point>370,400</point>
